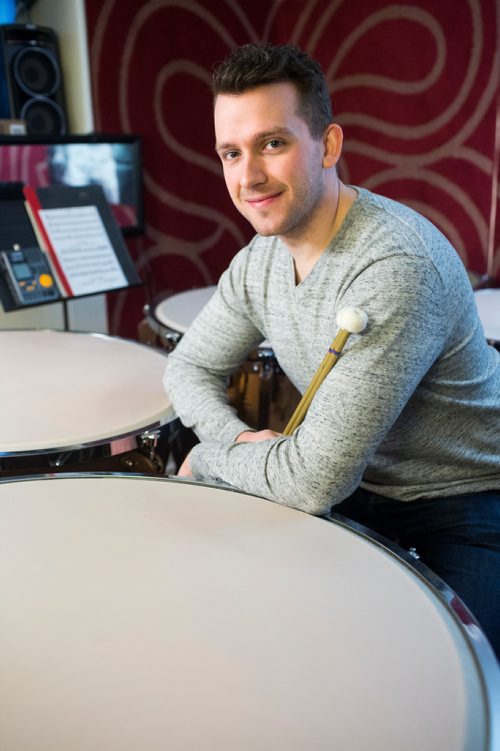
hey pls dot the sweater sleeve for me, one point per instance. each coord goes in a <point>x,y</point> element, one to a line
<point>217,341</point>
<point>355,407</point>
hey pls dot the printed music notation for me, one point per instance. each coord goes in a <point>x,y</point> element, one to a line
<point>83,249</point>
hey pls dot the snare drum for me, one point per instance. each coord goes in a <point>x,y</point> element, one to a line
<point>259,391</point>
<point>70,398</point>
<point>149,613</point>
<point>488,306</point>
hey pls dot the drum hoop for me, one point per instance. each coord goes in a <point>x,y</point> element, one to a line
<point>150,309</point>
<point>484,660</point>
<point>157,326</point>
<point>161,330</point>
<point>482,291</point>
<point>105,443</point>
<point>482,294</point>
<point>94,334</point>
<point>109,441</point>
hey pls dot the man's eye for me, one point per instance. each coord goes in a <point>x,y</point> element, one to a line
<point>274,144</point>
<point>230,155</point>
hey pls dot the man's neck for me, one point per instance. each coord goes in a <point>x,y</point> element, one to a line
<point>310,246</point>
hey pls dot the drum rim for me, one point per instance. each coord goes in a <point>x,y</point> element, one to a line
<point>150,308</point>
<point>105,443</point>
<point>487,291</point>
<point>264,348</point>
<point>485,663</point>
<point>78,332</point>
<point>108,442</point>
<point>480,296</point>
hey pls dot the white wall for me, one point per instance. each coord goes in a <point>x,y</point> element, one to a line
<point>67,18</point>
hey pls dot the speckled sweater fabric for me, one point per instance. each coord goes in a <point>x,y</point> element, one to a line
<point>412,407</point>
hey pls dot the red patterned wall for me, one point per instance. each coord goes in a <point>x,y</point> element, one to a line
<point>414,86</point>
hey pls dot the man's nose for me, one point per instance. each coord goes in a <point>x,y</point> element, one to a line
<point>252,173</point>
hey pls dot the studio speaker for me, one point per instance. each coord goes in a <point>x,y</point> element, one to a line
<point>31,80</point>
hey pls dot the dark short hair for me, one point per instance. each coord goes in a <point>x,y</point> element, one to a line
<point>253,65</point>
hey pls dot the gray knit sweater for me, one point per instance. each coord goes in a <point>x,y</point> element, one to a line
<point>412,407</point>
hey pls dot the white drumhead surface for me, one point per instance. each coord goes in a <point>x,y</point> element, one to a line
<point>179,311</point>
<point>153,614</point>
<point>60,389</point>
<point>488,305</point>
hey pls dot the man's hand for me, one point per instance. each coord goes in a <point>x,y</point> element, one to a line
<point>249,436</point>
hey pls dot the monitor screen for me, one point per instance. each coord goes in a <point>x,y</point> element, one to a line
<point>112,161</point>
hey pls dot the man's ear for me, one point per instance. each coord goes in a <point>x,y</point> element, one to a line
<point>332,140</point>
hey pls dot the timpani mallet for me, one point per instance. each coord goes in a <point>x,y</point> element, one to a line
<point>350,321</point>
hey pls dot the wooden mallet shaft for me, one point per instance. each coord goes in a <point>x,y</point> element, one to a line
<point>352,321</point>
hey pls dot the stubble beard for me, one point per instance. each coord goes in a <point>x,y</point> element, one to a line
<point>299,216</point>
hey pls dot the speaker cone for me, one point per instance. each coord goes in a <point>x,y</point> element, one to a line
<point>37,72</point>
<point>43,117</point>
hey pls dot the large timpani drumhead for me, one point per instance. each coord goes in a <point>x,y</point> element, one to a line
<point>60,390</point>
<point>143,613</point>
<point>488,305</point>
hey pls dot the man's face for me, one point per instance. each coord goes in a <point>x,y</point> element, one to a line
<point>272,166</point>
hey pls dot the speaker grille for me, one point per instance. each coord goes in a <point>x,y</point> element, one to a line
<point>31,80</point>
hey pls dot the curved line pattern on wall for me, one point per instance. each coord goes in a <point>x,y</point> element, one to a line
<point>413,86</point>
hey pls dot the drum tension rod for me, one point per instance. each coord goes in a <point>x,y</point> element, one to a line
<point>149,441</point>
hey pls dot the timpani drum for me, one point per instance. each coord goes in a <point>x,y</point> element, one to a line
<point>151,613</point>
<point>170,317</point>
<point>259,391</point>
<point>70,399</point>
<point>488,306</point>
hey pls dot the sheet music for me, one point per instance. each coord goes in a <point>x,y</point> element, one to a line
<point>83,248</point>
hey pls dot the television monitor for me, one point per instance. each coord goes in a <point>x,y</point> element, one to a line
<point>112,161</point>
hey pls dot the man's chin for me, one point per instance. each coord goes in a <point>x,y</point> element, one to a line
<point>264,230</point>
<point>265,233</point>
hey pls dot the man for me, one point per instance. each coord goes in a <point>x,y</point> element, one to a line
<point>403,434</point>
